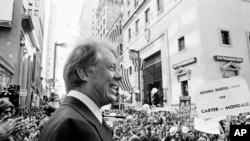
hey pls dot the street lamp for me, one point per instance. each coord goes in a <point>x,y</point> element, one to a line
<point>55,53</point>
<point>135,55</point>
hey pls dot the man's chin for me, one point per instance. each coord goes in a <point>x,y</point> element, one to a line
<point>112,98</point>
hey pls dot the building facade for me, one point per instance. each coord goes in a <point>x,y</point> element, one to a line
<point>106,14</point>
<point>185,43</point>
<point>49,50</point>
<point>87,21</point>
<point>21,50</point>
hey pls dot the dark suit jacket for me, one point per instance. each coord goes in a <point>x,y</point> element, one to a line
<point>73,121</point>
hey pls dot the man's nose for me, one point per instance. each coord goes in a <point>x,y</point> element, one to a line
<point>118,76</point>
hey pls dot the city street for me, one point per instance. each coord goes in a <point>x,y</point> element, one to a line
<point>124,70</point>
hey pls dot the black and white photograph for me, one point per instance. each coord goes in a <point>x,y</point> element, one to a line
<point>124,70</point>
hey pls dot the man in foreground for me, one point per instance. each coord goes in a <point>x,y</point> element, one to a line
<point>91,77</point>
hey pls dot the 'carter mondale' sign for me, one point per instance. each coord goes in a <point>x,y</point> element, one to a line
<point>222,97</point>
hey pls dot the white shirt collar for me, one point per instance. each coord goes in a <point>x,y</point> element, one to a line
<point>88,102</point>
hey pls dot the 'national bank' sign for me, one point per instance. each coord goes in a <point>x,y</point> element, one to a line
<point>6,12</point>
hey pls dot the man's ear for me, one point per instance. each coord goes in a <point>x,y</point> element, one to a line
<point>82,74</point>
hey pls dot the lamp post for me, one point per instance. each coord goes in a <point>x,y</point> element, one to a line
<point>55,53</point>
<point>135,55</point>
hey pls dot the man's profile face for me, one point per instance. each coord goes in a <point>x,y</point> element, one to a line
<point>104,78</point>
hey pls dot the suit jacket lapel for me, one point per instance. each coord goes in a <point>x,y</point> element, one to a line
<point>88,115</point>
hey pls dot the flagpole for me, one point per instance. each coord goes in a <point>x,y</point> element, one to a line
<point>139,76</point>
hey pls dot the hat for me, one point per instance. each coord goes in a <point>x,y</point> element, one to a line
<point>173,130</point>
<point>116,138</point>
<point>184,129</point>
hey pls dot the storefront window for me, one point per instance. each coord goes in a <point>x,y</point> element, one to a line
<point>5,77</point>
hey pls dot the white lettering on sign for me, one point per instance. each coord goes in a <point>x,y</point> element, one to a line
<point>240,132</point>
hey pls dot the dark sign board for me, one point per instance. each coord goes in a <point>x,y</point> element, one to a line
<point>184,63</point>
<point>228,58</point>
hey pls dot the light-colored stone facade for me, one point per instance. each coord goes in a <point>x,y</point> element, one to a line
<point>199,23</point>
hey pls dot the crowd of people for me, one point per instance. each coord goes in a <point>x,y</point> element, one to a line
<point>25,125</point>
<point>168,126</point>
<point>20,124</point>
<point>92,77</point>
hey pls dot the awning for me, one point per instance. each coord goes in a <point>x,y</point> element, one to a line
<point>125,83</point>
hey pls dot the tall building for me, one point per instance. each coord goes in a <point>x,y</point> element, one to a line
<point>50,46</point>
<point>36,9</point>
<point>21,49</point>
<point>183,43</point>
<point>87,22</point>
<point>106,13</point>
<point>62,32</point>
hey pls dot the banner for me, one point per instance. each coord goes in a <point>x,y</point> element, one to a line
<point>210,126</point>
<point>223,97</point>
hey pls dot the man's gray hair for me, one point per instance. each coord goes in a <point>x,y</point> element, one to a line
<point>83,56</point>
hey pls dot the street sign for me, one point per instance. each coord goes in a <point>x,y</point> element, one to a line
<point>23,92</point>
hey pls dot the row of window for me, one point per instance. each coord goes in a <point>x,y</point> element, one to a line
<point>36,12</point>
<point>37,3</point>
<point>116,32</point>
<point>224,37</point>
<point>147,14</point>
<point>136,3</point>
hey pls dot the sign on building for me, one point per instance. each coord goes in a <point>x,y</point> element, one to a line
<point>23,92</point>
<point>222,97</point>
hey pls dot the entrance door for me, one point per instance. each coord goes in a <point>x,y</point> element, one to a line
<point>157,98</point>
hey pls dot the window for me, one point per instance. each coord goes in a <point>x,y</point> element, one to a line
<point>103,21</point>
<point>130,70</point>
<point>147,15</point>
<point>249,37</point>
<point>37,2</point>
<point>136,3</point>
<point>30,11</point>
<point>137,25</point>
<point>181,44</point>
<point>159,5</point>
<point>225,37</point>
<point>120,50</point>
<point>184,88</point>
<point>120,26</point>
<point>30,2</point>
<point>129,34</point>
<point>128,13</point>
<point>128,2</point>
<point>36,13</point>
